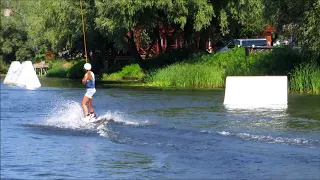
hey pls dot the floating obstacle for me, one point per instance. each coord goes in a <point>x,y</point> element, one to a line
<point>256,91</point>
<point>13,73</point>
<point>22,75</point>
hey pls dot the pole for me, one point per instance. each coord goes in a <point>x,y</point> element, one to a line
<point>84,34</point>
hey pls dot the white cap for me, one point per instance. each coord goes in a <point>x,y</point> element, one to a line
<point>87,66</point>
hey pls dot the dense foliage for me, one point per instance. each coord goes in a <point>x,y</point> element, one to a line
<point>36,26</point>
<point>300,19</point>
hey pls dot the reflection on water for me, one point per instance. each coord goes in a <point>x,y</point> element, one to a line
<point>304,106</point>
<point>60,83</point>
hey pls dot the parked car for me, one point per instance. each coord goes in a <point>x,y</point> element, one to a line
<point>244,43</point>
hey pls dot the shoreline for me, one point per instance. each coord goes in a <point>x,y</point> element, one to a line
<point>135,84</point>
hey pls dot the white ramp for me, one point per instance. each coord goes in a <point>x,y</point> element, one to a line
<point>24,76</point>
<point>13,73</point>
<point>28,77</point>
<point>256,91</point>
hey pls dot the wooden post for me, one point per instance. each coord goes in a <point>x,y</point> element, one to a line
<point>247,51</point>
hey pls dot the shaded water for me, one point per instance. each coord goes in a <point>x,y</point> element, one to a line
<point>154,134</point>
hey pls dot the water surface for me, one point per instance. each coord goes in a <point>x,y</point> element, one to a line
<point>154,134</point>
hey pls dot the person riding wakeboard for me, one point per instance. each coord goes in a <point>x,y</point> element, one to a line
<point>89,81</point>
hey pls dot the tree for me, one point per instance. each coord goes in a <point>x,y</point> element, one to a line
<point>302,16</point>
<point>55,24</point>
<point>13,35</point>
<point>119,18</point>
<point>40,24</point>
<point>310,30</point>
<point>239,18</point>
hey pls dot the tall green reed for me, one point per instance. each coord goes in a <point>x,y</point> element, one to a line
<point>305,78</point>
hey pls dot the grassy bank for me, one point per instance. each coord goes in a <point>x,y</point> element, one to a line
<point>72,69</point>
<point>187,76</point>
<point>130,72</point>
<point>204,71</point>
<point>58,68</point>
<point>306,78</point>
<point>210,71</point>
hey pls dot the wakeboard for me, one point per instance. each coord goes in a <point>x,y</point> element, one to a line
<point>99,120</point>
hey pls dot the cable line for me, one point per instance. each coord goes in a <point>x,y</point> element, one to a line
<point>84,34</point>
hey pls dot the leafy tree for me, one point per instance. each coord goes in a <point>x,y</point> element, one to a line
<point>40,25</point>
<point>56,24</point>
<point>119,19</point>
<point>13,35</point>
<point>239,18</point>
<point>310,30</point>
<point>300,19</point>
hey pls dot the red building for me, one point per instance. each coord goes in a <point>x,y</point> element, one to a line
<point>173,39</point>
<point>268,31</point>
<point>169,39</point>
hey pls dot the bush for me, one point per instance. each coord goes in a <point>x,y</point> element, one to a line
<point>72,69</point>
<point>129,72</point>
<point>210,71</point>
<point>3,67</point>
<point>203,70</point>
<point>76,69</point>
<point>57,68</point>
<point>169,57</point>
<point>280,61</point>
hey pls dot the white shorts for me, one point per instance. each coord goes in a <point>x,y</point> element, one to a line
<point>90,92</point>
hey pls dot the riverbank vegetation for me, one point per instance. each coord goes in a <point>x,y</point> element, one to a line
<point>51,31</point>
<point>305,78</point>
<point>210,71</point>
<point>129,72</point>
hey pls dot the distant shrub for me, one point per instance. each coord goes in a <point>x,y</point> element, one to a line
<point>76,70</point>
<point>57,68</point>
<point>280,61</point>
<point>207,70</point>
<point>170,57</point>
<point>129,72</point>
<point>62,68</point>
<point>3,67</point>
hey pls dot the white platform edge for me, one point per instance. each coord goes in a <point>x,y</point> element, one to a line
<point>256,91</point>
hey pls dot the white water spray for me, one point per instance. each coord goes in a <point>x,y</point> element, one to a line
<point>69,115</point>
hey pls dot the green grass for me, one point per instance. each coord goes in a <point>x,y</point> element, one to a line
<point>129,72</point>
<point>56,68</point>
<point>306,78</point>
<point>187,76</point>
<point>210,71</point>
<point>207,71</point>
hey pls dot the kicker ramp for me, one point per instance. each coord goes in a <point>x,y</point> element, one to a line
<point>256,91</point>
<point>22,75</point>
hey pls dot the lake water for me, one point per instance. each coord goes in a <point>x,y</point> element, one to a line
<point>154,134</point>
